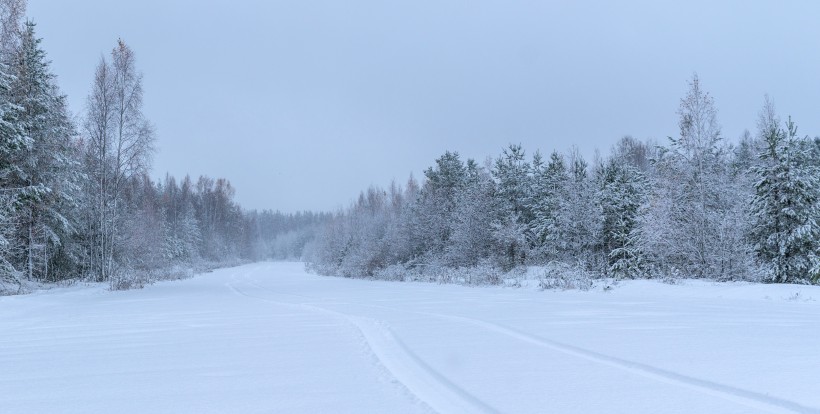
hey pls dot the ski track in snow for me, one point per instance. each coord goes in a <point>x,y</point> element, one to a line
<point>421,380</point>
<point>381,339</point>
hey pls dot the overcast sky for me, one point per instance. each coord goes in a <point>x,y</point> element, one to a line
<point>302,104</point>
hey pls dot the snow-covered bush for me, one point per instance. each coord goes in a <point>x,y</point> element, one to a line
<point>563,276</point>
<point>126,279</point>
<point>395,272</point>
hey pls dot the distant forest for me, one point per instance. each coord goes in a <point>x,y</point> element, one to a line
<point>76,201</point>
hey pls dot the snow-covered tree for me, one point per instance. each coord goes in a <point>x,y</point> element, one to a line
<point>120,144</point>
<point>12,142</point>
<point>694,220</point>
<point>648,210</point>
<point>181,231</point>
<point>49,171</point>
<point>549,195</point>
<point>638,154</point>
<point>578,214</point>
<point>406,243</point>
<point>785,207</point>
<point>11,14</point>
<point>472,237</point>
<point>620,197</point>
<point>512,174</point>
<point>435,212</point>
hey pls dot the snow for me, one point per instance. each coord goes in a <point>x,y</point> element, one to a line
<point>269,337</point>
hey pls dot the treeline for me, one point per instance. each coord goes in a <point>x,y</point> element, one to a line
<point>75,197</point>
<point>167,228</point>
<point>692,207</point>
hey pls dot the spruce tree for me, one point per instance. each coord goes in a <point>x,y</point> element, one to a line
<point>48,168</point>
<point>577,213</point>
<point>512,174</point>
<point>472,236</point>
<point>785,233</point>
<point>621,196</point>
<point>549,195</point>
<point>12,143</point>
<point>435,212</point>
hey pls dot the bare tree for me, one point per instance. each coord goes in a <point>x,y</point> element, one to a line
<point>120,146</point>
<point>11,14</point>
<point>695,220</point>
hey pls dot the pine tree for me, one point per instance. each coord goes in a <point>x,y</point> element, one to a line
<point>785,208</point>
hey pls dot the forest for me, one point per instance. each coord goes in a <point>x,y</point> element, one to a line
<point>693,206</point>
<point>76,198</point>
<point>77,201</point>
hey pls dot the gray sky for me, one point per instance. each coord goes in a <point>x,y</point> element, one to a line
<point>302,104</point>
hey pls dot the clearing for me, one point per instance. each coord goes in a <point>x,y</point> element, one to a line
<point>269,337</point>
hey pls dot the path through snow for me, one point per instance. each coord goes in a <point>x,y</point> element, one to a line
<point>269,337</point>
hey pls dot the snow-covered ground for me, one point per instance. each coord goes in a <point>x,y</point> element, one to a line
<point>270,338</point>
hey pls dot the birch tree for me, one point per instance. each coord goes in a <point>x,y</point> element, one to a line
<point>11,14</point>
<point>692,224</point>
<point>120,146</point>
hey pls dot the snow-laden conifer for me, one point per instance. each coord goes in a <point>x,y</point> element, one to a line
<point>785,207</point>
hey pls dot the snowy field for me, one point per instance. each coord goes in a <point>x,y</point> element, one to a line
<point>270,338</point>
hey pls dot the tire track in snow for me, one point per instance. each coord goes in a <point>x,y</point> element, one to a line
<point>741,396</point>
<point>420,379</point>
<point>738,395</point>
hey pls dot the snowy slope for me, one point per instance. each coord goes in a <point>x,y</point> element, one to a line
<point>271,338</point>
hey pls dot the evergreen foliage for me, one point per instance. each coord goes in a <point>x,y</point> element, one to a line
<point>785,206</point>
<point>622,194</point>
<point>679,210</point>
